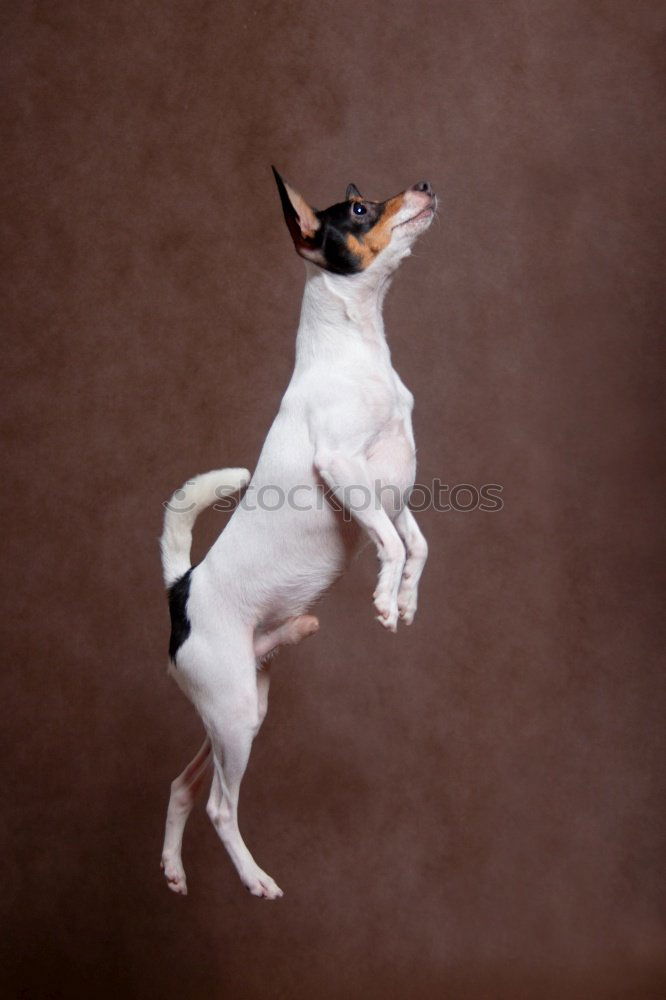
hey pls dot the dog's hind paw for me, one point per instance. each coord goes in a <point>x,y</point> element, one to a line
<point>260,884</point>
<point>302,627</point>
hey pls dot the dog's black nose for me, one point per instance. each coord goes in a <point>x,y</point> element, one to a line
<point>423,186</point>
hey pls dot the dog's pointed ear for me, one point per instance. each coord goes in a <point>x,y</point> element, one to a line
<point>353,192</point>
<point>301,219</point>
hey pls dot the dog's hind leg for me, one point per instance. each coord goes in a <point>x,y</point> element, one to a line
<point>288,634</point>
<point>227,699</point>
<point>232,750</point>
<point>184,790</point>
<point>186,787</point>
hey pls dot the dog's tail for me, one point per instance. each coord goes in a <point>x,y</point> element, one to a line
<point>182,511</point>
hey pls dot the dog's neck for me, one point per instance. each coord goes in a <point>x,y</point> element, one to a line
<point>339,311</point>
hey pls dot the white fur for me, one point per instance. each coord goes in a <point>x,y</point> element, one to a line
<point>344,421</point>
<point>182,511</point>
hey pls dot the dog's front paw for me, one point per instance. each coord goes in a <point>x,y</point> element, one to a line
<point>387,611</point>
<point>407,602</point>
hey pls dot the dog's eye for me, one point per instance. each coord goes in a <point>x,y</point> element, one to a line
<point>359,209</point>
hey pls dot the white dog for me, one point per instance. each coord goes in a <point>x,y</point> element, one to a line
<point>339,460</point>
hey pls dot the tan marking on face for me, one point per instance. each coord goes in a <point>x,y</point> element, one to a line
<point>373,242</point>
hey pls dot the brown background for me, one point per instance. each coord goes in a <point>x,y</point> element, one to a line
<point>469,809</point>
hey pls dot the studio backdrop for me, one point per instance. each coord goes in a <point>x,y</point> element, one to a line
<point>469,808</point>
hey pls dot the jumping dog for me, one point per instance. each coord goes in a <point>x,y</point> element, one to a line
<point>343,431</point>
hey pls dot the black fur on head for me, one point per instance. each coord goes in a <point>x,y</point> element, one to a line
<point>344,238</point>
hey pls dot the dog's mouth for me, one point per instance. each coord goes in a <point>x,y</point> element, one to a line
<point>423,214</point>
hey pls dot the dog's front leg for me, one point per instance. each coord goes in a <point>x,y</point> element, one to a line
<point>349,479</point>
<point>417,553</point>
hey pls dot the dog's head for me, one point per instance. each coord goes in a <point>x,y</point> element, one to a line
<point>357,234</point>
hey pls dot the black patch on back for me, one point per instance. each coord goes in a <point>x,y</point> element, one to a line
<point>178,594</point>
